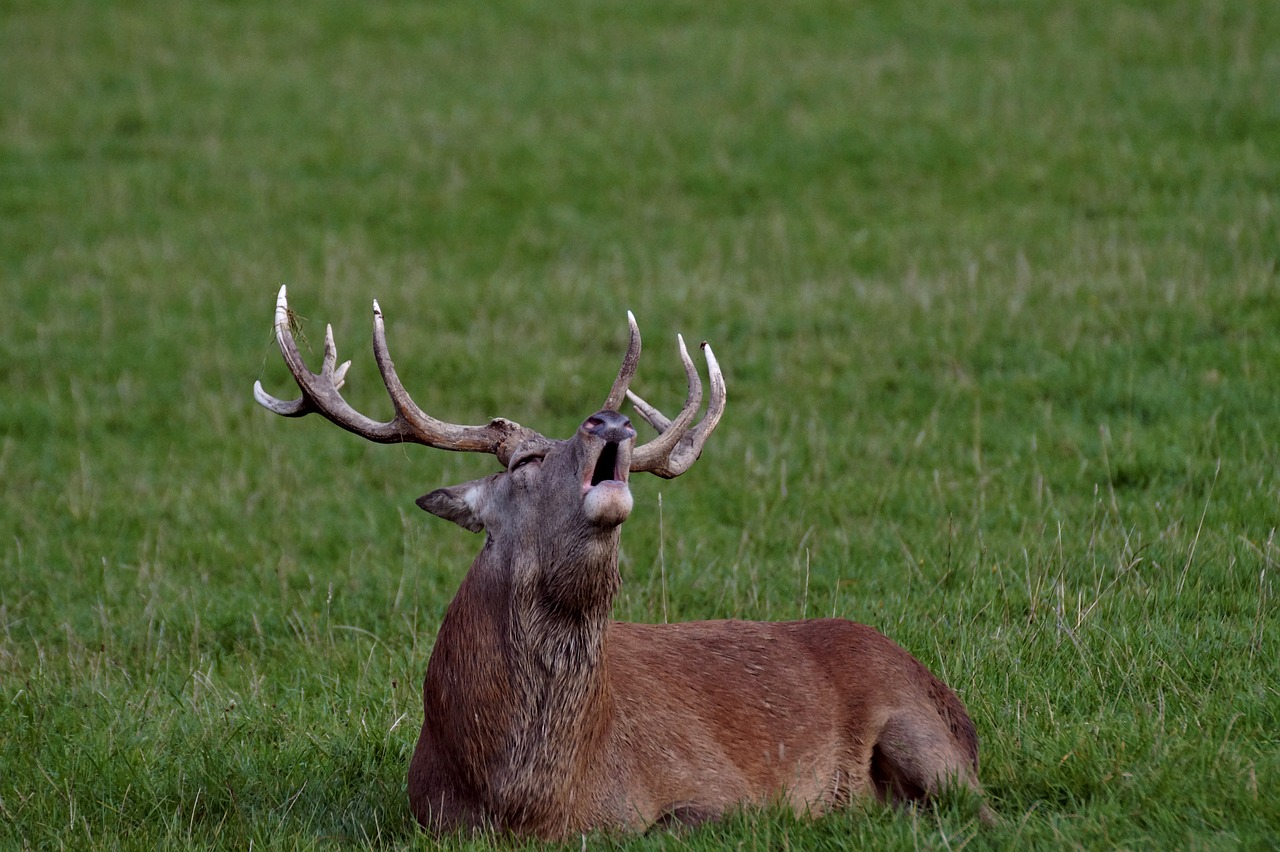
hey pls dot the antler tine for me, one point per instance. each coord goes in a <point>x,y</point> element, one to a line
<point>299,407</point>
<point>410,424</point>
<point>628,369</point>
<point>648,413</point>
<point>678,446</point>
<point>494,437</point>
<point>314,386</point>
<point>670,432</point>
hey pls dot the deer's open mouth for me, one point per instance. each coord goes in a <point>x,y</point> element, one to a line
<point>606,438</point>
<point>606,497</point>
<point>606,468</point>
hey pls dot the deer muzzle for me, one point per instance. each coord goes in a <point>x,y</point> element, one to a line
<point>607,437</point>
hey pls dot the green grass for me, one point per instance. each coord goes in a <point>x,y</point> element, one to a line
<point>995,286</point>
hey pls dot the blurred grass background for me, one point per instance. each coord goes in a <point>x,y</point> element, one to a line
<point>995,288</point>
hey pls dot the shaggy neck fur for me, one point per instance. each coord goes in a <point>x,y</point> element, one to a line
<point>532,634</point>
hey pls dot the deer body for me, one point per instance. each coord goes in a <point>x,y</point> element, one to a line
<point>687,721</point>
<point>544,717</point>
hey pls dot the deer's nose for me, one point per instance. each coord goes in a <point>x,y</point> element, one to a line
<point>609,425</point>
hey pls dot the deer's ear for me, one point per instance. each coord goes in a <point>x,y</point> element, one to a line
<point>463,504</point>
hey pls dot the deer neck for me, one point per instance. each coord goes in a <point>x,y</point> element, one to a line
<point>560,610</point>
<point>539,698</point>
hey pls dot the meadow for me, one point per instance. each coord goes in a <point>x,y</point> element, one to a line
<point>996,289</point>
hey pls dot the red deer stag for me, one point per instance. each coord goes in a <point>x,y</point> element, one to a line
<point>545,717</point>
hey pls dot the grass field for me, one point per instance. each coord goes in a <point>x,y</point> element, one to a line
<point>996,290</point>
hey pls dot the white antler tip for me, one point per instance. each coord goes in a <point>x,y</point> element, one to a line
<point>377,310</point>
<point>278,406</point>
<point>340,374</point>
<point>282,310</point>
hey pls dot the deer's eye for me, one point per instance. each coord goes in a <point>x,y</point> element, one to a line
<point>522,461</point>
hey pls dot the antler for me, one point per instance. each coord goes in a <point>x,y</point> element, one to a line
<point>678,446</point>
<point>410,424</point>
<point>629,361</point>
